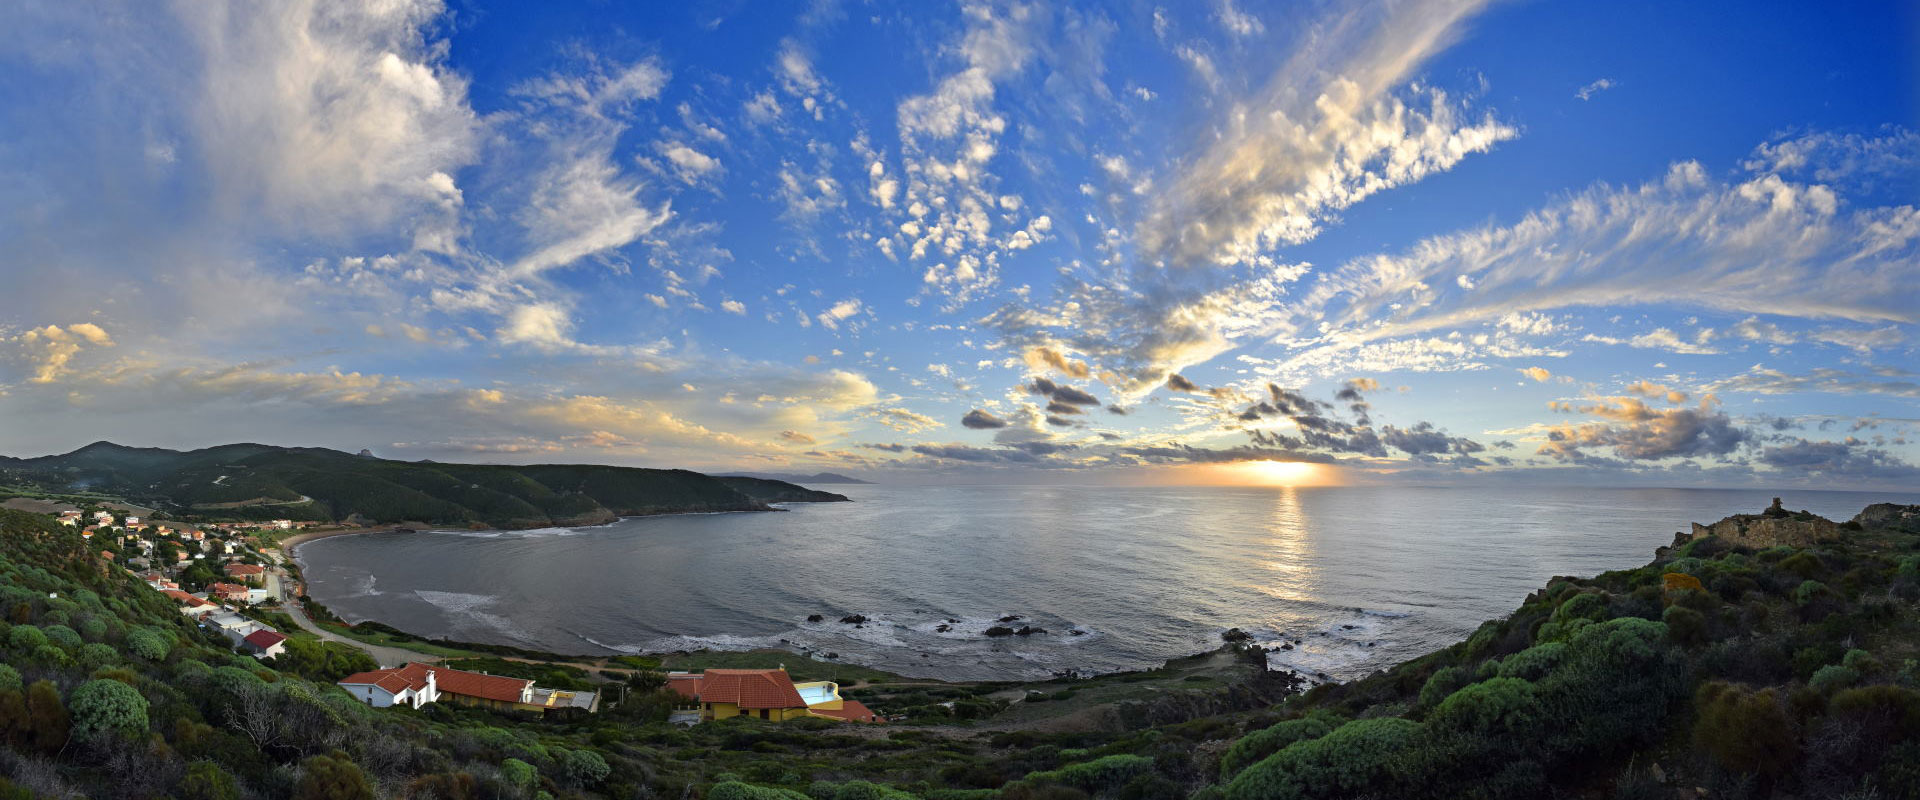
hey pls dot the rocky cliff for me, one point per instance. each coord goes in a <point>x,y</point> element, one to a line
<point>1770,528</point>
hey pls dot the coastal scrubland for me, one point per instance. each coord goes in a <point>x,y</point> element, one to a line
<point>1718,669</point>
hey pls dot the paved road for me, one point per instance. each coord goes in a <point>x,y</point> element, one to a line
<point>386,656</point>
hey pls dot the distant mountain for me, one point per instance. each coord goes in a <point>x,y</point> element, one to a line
<point>263,481</point>
<point>818,477</point>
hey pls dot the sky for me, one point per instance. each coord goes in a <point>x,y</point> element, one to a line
<point>1447,242</point>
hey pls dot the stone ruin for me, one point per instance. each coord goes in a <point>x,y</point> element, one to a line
<point>1770,528</point>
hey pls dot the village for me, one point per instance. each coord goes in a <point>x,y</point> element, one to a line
<point>223,575</point>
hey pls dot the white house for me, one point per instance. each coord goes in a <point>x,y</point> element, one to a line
<point>283,524</point>
<point>133,521</point>
<point>265,643</point>
<point>235,627</point>
<point>412,685</point>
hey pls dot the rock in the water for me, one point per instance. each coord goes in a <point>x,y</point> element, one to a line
<point>1000,630</point>
<point>816,617</point>
<point>1285,646</point>
<point>1076,632</point>
<point>853,619</point>
<point>1026,630</point>
<point>1235,635</point>
<point>942,628</point>
<point>833,655</point>
<point>1010,618</point>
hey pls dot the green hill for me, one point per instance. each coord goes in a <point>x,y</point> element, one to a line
<point>261,481</point>
<point>1725,668</point>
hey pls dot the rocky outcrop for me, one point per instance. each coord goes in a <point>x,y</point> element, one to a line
<point>1889,516</point>
<point>1771,528</point>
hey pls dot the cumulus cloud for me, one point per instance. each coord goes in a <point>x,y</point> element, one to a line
<point>52,348</point>
<point>1538,374</point>
<point>1588,91</point>
<point>1633,430</point>
<point>1847,459</point>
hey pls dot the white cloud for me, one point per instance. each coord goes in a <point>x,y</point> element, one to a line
<point>583,205</point>
<point>1588,91</point>
<point>52,348</point>
<point>691,165</point>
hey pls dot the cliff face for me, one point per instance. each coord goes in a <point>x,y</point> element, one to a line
<point>1771,528</point>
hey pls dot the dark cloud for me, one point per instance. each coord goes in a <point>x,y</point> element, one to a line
<point>1061,394</point>
<point>1119,410</point>
<point>889,448</point>
<point>1060,422</point>
<point>1503,445</point>
<point>1044,448</point>
<point>1423,439</point>
<point>1847,458</point>
<point>961,452</point>
<point>1057,407</point>
<point>1638,432</point>
<point>1179,383</point>
<point>1183,454</point>
<point>982,421</point>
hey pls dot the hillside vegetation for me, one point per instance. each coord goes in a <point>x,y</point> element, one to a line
<point>1717,670</point>
<point>251,481</point>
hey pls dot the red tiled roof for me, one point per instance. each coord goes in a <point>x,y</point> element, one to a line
<point>452,681</point>
<point>474,684</point>
<point>182,597</point>
<point>851,710</point>
<point>264,639</point>
<point>227,588</point>
<point>686,685</point>
<point>393,679</point>
<point>237,568</point>
<point>748,688</point>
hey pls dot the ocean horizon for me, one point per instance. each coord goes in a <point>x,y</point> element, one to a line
<point>1340,581</point>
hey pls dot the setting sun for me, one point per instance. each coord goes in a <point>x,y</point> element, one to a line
<point>1273,473</point>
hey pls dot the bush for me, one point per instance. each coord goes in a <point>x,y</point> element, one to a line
<point>149,644</point>
<point>519,774</point>
<point>48,723</point>
<point>332,777</point>
<point>1501,708</point>
<point>9,679</point>
<point>735,790</point>
<point>1685,626</point>
<point>1744,731</point>
<point>1618,682</point>
<point>1860,661</point>
<point>66,638</point>
<point>1259,744</point>
<point>103,708</point>
<point>1443,682</point>
<point>25,638</point>
<point>1534,662</point>
<point>1833,677</point>
<point>1358,757</point>
<point>1109,772</point>
<point>205,780</point>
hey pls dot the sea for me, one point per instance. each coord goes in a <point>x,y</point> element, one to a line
<point>1346,579</point>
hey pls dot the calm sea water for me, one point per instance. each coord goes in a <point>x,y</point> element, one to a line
<point>1361,577</point>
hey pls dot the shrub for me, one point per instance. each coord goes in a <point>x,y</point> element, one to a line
<point>519,773</point>
<point>25,638</point>
<point>66,638</point>
<point>735,790</point>
<point>9,679</point>
<point>1833,677</point>
<point>205,780</point>
<point>1357,757</point>
<point>1860,661</point>
<point>149,644</point>
<point>1809,591</point>
<point>1744,731</point>
<point>332,777</point>
<point>1109,772</point>
<point>103,708</point>
<point>1680,581</point>
<point>1685,626</point>
<point>96,655</point>
<point>1262,743</point>
<point>1617,683</point>
<point>863,790</point>
<point>48,721</point>
<point>1534,662</point>
<point>1443,682</point>
<point>1586,605</point>
<point>1502,708</point>
<point>583,767</point>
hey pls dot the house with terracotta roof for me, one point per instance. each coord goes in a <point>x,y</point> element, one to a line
<point>264,643</point>
<point>767,694</point>
<point>230,592</point>
<point>418,684</point>
<point>247,573</point>
<point>413,685</point>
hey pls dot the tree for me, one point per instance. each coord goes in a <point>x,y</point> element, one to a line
<point>103,708</point>
<point>205,780</point>
<point>48,717</point>
<point>332,777</point>
<point>149,644</point>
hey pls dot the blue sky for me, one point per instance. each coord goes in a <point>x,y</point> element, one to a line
<point>1441,242</point>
